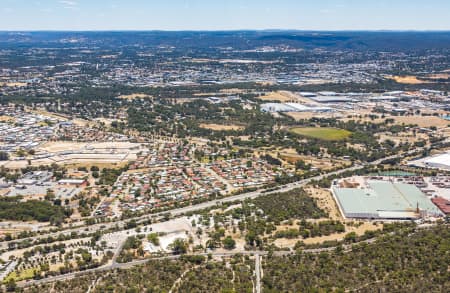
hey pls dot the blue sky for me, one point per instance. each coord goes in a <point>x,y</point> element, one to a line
<point>224,14</point>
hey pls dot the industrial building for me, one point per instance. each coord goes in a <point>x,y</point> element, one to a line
<point>441,161</point>
<point>292,107</point>
<point>333,99</point>
<point>375,199</point>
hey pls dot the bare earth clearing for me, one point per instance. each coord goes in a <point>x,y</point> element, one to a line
<point>279,96</point>
<point>408,80</point>
<point>422,121</point>
<point>135,96</point>
<point>308,115</point>
<point>219,127</point>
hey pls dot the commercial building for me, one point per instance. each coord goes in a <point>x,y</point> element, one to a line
<point>374,199</point>
<point>75,182</point>
<point>332,99</point>
<point>292,107</point>
<point>440,161</point>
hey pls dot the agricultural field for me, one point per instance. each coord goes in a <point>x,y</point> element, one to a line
<point>322,133</point>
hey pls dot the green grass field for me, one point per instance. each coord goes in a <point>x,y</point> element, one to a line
<point>23,275</point>
<point>323,133</point>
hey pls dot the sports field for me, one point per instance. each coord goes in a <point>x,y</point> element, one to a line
<point>323,133</point>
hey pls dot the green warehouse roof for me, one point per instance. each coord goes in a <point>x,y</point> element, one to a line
<point>383,200</point>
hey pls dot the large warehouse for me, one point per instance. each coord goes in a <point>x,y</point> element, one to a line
<point>292,107</point>
<point>384,200</point>
<point>440,161</point>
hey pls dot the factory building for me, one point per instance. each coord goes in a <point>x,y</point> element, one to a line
<point>440,161</point>
<point>375,199</point>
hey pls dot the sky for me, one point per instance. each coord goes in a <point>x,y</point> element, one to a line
<point>224,14</point>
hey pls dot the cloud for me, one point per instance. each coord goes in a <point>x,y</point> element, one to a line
<point>69,4</point>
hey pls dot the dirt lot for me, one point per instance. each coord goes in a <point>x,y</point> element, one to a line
<point>439,76</point>
<point>422,121</point>
<point>365,226</point>
<point>308,115</point>
<point>64,146</point>
<point>134,96</point>
<point>325,201</point>
<point>4,118</point>
<point>233,91</point>
<point>280,96</point>
<point>403,137</point>
<point>13,84</point>
<point>291,156</point>
<point>219,127</point>
<point>408,80</point>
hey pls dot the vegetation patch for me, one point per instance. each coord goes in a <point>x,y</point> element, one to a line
<point>22,275</point>
<point>322,133</point>
<point>12,208</point>
<point>287,205</point>
<point>403,262</point>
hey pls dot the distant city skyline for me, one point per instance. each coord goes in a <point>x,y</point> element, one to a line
<point>224,15</point>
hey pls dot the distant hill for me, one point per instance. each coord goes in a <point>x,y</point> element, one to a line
<point>235,39</point>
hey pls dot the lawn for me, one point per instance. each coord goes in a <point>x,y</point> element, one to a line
<point>23,275</point>
<point>323,133</point>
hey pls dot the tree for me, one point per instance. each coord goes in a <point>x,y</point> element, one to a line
<point>179,246</point>
<point>153,238</point>
<point>229,243</point>
<point>350,237</point>
<point>301,165</point>
<point>50,195</point>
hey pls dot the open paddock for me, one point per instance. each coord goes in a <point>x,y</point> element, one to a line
<point>322,133</point>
